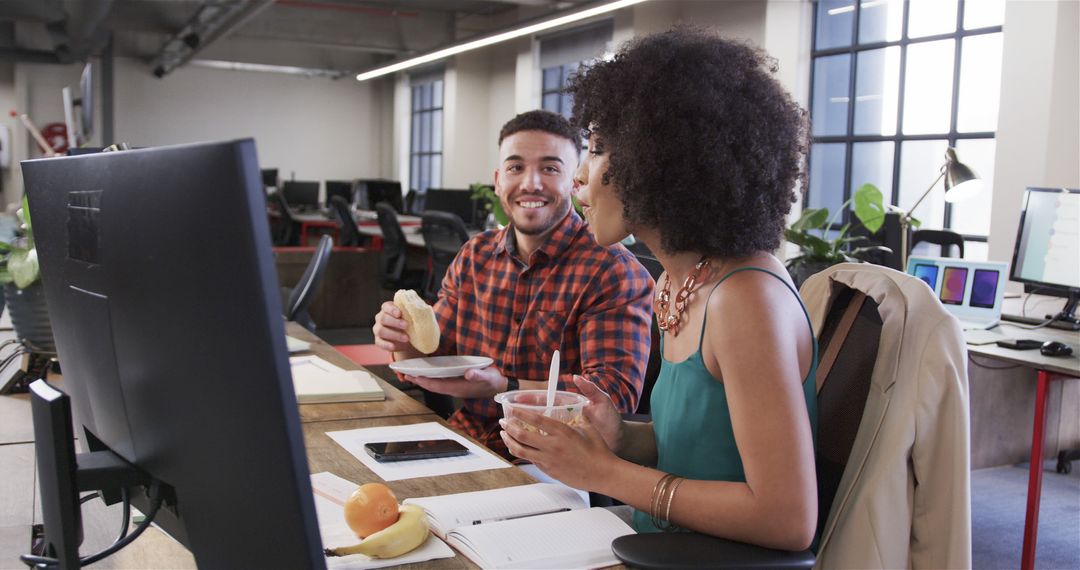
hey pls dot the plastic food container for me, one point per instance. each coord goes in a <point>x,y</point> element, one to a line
<point>567,407</point>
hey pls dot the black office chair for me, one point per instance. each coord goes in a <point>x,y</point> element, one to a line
<point>297,299</point>
<point>847,368</point>
<point>285,231</point>
<point>652,369</point>
<point>395,274</point>
<point>348,235</point>
<point>444,234</point>
<point>943,238</point>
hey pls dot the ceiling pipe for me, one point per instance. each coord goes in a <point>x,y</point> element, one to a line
<point>213,20</point>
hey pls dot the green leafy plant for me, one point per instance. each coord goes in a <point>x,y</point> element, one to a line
<point>492,204</point>
<point>810,231</point>
<point>18,258</point>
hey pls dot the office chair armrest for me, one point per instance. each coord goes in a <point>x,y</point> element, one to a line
<point>695,550</point>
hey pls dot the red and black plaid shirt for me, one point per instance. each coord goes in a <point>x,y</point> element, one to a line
<point>592,303</point>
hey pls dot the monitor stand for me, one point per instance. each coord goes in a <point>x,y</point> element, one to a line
<point>62,473</point>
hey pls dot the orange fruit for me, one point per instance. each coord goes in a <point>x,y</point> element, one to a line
<point>371,508</point>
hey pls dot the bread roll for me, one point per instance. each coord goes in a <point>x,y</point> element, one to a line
<point>420,323</point>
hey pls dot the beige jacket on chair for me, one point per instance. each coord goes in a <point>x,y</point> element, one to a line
<point>904,500</point>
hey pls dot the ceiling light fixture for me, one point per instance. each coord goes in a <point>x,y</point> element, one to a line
<point>524,30</point>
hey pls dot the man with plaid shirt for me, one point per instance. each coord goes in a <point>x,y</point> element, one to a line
<point>542,284</point>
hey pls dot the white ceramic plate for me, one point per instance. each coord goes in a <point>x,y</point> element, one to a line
<point>440,366</point>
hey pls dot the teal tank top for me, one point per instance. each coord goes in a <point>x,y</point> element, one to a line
<point>691,419</point>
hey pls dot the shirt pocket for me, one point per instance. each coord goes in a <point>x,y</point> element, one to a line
<point>550,328</point>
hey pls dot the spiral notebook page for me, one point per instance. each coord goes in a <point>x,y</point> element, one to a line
<point>574,539</point>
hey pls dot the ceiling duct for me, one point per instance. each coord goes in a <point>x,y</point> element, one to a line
<point>81,33</point>
<point>214,19</point>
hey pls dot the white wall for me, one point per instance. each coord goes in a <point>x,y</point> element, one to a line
<point>1038,136</point>
<point>313,128</point>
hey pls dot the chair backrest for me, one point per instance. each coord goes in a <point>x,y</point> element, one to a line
<point>444,234</point>
<point>304,292</point>
<point>394,245</point>
<point>349,235</point>
<point>652,368</point>
<point>943,238</point>
<point>285,228</point>
<point>848,347</point>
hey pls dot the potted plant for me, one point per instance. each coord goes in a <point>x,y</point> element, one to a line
<point>486,194</point>
<point>25,297</point>
<point>817,251</point>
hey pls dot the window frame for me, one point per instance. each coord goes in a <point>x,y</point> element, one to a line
<point>849,139</point>
<point>417,111</point>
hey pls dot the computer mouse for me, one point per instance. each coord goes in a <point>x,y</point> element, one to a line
<point>1055,348</point>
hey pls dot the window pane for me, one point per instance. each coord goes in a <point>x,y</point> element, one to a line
<point>983,13</point>
<point>566,104</point>
<point>436,171</point>
<point>834,22</point>
<point>872,163</point>
<point>436,94</point>
<point>436,131</point>
<point>414,141</point>
<point>568,70</point>
<point>972,217</point>
<point>425,96</point>
<point>880,20</point>
<point>826,176</point>
<point>980,80</point>
<point>416,98</point>
<point>425,132</point>
<point>877,89</point>
<point>414,174</point>
<point>425,173</point>
<point>928,87</point>
<point>930,17</point>
<point>920,163</point>
<point>552,80</point>
<point>551,102</point>
<point>831,81</point>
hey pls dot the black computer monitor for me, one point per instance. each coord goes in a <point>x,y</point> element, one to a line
<point>1048,246</point>
<point>301,194</point>
<point>343,188</point>
<point>169,330</point>
<point>269,177</point>
<point>458,202</point>
<point>376,191</point>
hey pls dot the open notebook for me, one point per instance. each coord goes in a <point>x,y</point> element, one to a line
<point>318,382</point>
<point>529,526</point>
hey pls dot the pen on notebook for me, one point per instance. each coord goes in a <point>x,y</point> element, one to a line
<point>497,519</point>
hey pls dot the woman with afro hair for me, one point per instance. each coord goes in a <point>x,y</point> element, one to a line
<point>695,149</point>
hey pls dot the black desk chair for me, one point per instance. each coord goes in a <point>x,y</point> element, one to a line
<point>943,238</point>
<point>444,234</point>
<point>348,235</point>
<point>296,300</point>
<point>652,368</point>
<point>395,275</point>
<point>849,347</point>
<point>285,229</point>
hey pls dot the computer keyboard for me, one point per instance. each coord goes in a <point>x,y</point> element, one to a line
<point>1063,325</point>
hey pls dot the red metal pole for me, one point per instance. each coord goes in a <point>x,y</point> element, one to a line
<point>1031,521</point>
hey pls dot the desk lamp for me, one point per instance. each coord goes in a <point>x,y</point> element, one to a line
<point>961,183</point>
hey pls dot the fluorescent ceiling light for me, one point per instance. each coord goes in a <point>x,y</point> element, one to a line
<point>497,38</point>
<point>286,69</point>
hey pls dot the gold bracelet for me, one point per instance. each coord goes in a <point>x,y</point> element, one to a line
<point>671,499</point>
<point>657,498</point>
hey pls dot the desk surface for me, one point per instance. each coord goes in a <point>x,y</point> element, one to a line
<point>154,549</point>
<point>1033,358</point>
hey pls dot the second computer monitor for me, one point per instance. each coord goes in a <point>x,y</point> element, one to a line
<point>342,188</point>
<point>372,192</point>
<point>458,202</point>
<point>301,194</point>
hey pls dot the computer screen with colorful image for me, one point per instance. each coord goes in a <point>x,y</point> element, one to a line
<point>973,291</point>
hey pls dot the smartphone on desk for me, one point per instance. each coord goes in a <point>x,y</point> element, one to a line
<point>422,449</point>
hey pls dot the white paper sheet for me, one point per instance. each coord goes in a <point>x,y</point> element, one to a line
<point>478,458</point>
<point>336,533</point>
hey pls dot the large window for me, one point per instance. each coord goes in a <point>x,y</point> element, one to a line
<point>426,144</point>
<point>560,56</point>
<point>893,84</point>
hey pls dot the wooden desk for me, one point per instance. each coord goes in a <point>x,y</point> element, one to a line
<point>153,549</point>
<point>1047,369</point>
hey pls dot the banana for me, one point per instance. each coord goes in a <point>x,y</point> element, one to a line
<point>409,532</point>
